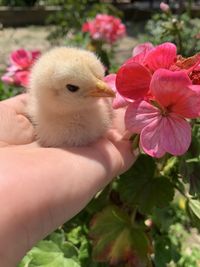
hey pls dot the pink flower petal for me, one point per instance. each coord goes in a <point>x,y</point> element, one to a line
<point>170,134</point>
<point>13,68</point>
<point>133,81</point>
<point>140,114</point>
<point>8,78</point>
<point>35,54</point>
<point>22,78</point>
<point>176,134</point>
<point>150,138</point>
<point>110,80</point>
<point>142,48</point>
<point>162,56</point>
<point>139,58</point>
<point>21,58</point>
<point>119,101</point>
<point>172,91</point>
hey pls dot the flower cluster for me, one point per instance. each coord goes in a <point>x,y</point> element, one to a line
<point>162,92</point>
<point>21,61</point>
<point>105,28</point>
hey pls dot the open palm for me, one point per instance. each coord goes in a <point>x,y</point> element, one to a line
<point>41,188</point>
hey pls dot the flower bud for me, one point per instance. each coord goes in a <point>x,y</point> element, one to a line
<point>164,7</point>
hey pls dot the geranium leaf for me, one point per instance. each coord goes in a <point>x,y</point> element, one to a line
<point>48,254</point>
<point>139,187</point>
<point>158,192</point>
<point>115,240</point>
<point>57,237</point>
<point>69,250</point>
<point>48,246</point>
<point>193,209</point>
<point>190,163</point>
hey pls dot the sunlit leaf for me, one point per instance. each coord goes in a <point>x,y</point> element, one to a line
<point>190,163</point>
<point>48,254</point>
<point>115,240</point>
<point>193,208</point>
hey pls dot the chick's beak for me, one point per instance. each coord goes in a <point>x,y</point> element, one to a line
<point>102,90</point>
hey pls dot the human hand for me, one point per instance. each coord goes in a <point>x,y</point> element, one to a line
<point>41,188</point>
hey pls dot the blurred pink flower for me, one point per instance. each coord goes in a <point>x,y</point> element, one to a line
<point>105,27</point>
<point>161,123</point>
<point>21,61</point>
<point>119,101</point>
<point>164,7</point>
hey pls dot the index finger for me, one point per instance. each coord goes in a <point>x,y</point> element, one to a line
<point>18,103</point>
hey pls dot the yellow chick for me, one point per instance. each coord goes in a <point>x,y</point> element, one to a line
<point>67,101</point>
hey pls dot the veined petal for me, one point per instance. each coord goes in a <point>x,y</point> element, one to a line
<point>162,56</point>
<point>142,48</point>
<point>140,114</point>
<point>119,101</point>
<point>175,134</point>
<point>150,138</point>
<point>139,53</point>
<point>172,90</point>
<point>133,81</point>
<point>110,80</point>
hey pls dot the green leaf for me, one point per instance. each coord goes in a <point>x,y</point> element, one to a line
<point>158,192</point>
<point>165,251</point>
<point>57,237</point>
<point>48,254</point>
<point>193,209</point>
<point>115,239</point>
<point>69,250</point>
<point>139,186</point>
<point>190,162</point>
<point>25,261</point>
<point>48,246</point>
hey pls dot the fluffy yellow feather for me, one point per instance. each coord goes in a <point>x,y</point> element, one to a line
<point>66,100</point>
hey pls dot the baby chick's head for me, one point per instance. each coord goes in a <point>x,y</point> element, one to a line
<point>68,78</point>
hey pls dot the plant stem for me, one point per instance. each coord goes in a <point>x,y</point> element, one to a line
<point>133,216</point>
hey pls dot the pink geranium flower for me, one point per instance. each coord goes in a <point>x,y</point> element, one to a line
<point>119,101</point>
<point>134,77</point>
<point>162,124</point>
<point>105,27</point>
<point>21,61</point>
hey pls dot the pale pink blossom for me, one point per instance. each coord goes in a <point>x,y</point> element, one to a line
<point>105,27</point>
<point>119,101</point>
<point>164,7</point>
<point>142,48</point>
<point>21,61</point>
<point>162,124</point>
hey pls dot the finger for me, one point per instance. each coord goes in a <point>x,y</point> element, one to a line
<point>118,120</point>
<point>18,103</point>
<point>3,144</point>
<point>15,128</point>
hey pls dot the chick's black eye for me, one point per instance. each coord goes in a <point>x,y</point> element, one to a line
<point>72,88</point>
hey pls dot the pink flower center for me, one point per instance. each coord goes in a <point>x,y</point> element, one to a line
<point>164,111</point>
